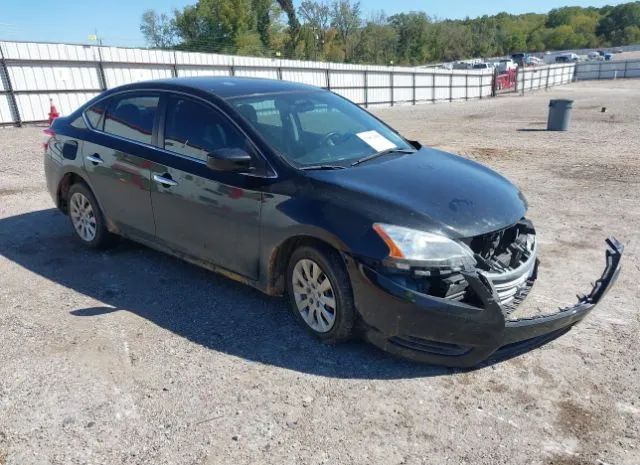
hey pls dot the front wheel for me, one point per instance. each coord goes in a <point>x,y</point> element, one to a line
<point>319,293</point>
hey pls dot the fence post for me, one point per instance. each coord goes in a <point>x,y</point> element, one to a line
<point>13,103</point>
<point>626,64</point>
<point>413,83</point>
<point>392,92</point>
<point>279,73</point>
<point>494,83</point>
<point>433,88</point>
<point>451,87</point>
<point>328,77</point>
<point>600,71</point>
<point>102,80</point>
<point>466,86</point>
<point>366,89</point>
<point>548,73</point>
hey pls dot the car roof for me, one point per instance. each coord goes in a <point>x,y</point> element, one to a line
<point>226,87</point>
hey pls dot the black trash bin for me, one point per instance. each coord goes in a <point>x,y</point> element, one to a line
<point>559,115</point>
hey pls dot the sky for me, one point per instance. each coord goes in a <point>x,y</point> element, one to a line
<point>118,21</point>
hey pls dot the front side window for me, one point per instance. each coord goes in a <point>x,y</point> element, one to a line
<point>196,130</point>
<point>316,127</point>
<point>132,117</point>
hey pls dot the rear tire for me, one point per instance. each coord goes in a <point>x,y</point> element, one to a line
<point>87,219</point>
<point>319,293</point>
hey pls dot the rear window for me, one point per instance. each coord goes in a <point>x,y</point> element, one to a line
<point>132,117</point>
<point>95,114</point>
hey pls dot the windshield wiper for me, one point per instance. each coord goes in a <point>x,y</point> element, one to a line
<point>379,154</point>
<point>323,167</point>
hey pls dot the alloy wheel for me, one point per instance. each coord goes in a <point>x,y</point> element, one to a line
<point>82,217</point>
<point>314,295</point>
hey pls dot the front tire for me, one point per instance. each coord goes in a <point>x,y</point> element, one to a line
<point>319,292</point>
<point>87,219</point>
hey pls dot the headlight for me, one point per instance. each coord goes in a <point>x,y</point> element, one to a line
<point>428,248</point>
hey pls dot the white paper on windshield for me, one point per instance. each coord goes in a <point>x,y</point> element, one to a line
<point>376,140</point>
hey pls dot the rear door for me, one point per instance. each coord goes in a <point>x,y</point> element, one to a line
<point>211,215</point>
<point>116,157</point>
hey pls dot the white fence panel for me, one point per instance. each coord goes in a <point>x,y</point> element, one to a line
<point>117,75</point>
<point>203,59</point>
<point>424,87</point>
<point>46,52</point>
<point>135,55</point>
<point>35,76</point>
<point>5,111</point>
<point>356,95</point>
<point>265,73</point>
<point>35,107</point>
<point>379,96</point>
<point>193,71</point>
<point>313,77</point>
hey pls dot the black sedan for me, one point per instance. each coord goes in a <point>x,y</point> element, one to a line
<point>296,191</point>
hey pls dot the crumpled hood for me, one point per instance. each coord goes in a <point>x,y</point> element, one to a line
<point>433,190</point>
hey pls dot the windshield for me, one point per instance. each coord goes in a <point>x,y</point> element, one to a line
<point>317,128</point>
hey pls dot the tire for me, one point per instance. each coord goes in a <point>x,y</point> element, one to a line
<point>87,219</point>
<point>326,294</point>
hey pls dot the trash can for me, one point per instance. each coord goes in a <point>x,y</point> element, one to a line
<point>559,115</point>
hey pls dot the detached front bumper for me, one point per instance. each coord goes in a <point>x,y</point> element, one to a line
<point>447,332</point>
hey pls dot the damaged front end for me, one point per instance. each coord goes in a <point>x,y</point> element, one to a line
<point>460,315</point>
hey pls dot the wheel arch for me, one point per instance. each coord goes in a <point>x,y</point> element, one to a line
<point>279,257</point>
<point>66,181</point>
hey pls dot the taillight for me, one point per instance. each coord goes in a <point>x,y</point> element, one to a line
<point>49,134</point>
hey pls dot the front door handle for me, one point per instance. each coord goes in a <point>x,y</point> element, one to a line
<point>165,180</point>
<point>95,159</point>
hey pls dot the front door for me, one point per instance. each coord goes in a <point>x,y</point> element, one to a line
<point>116,157</point>
<point>210,215</point>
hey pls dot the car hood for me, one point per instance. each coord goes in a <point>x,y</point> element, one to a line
<point>431,190</point>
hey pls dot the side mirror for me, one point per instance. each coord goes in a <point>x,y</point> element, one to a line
<point>229,159</point>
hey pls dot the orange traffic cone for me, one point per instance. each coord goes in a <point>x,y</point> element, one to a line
<point>53,111</point>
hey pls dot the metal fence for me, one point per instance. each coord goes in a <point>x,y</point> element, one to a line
<point>544,77</point>
<point>32,73</point>
<point>608,70</point>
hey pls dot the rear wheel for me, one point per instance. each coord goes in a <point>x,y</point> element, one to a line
<point>87,219</point>
<point>320,294</point>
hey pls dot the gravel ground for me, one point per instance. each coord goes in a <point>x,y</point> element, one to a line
<point>134,357</point>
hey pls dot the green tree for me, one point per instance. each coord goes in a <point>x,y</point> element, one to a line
<point>613,25</point>
<point>378,41</point>
<point>345,18</point>
<point>413,40</point>
<point>158,30</point>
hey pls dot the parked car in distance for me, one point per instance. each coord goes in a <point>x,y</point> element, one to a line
<point>593,55</point>
<point>482,66</point>
<point>530,60</point>
<point>519,58</point>
<point>567,58</point>
<point>506,65</point>
<point>297,191</point>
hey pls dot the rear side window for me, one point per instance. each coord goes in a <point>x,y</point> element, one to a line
<point>195,130</point>
<point>132,117</point>
<point>95,114</point>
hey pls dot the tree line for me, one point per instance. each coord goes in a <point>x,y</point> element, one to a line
<point>339,31</point>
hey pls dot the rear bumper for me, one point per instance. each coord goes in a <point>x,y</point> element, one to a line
<point>445,332</point>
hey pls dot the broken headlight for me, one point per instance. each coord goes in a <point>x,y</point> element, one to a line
<point>426,249</point>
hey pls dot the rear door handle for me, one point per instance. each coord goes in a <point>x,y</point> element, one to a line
<point>95,159</point>
<point>165,181</point>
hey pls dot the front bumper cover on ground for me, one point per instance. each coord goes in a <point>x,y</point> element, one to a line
<point>446,332</point>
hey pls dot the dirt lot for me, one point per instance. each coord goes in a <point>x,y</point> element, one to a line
<point>133,357</point>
